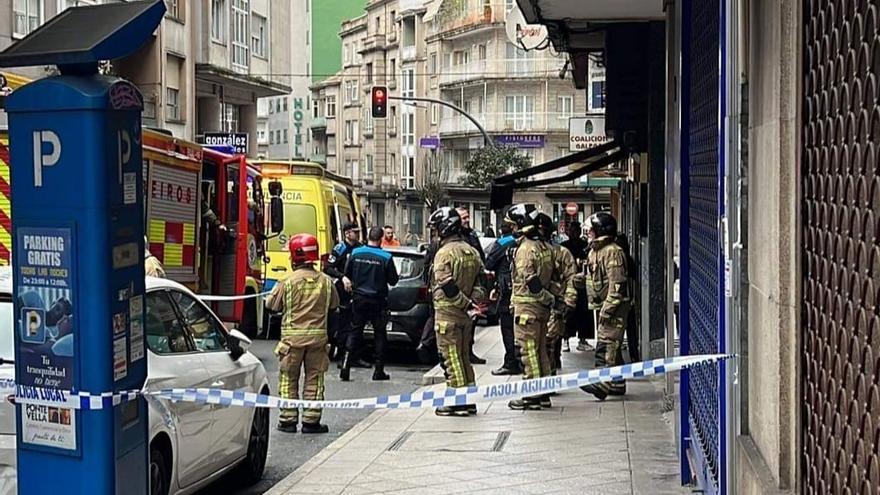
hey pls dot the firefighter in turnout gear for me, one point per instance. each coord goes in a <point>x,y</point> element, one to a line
<point>305,299</point>
<point>532,300</point>
<point>562,288</point>
<point>456,288</point>
<point>607,293</point>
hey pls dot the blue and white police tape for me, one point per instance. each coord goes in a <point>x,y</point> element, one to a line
<point>423,399</point>
<point>209,298</point>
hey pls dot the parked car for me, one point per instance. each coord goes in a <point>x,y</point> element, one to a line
<point>191,445</point>
<point>409,302</point>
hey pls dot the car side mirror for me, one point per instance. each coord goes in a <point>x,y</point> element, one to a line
<point>239,344</point>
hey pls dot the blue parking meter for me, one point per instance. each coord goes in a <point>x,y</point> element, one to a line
<point>78,234</point>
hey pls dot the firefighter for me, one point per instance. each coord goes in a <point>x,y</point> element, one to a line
<point>457,276</point>
<point>532,300</point>
<point>340,321</point>
<point>152,266</point>
<point>607,292</point>
<point>562,288</point>
<point>305,299</point>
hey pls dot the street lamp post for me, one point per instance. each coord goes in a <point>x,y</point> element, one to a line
<point>487,140</point>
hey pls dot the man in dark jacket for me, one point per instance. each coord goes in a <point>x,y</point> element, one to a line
<point>371,270</point>
<point>470,237</point>
<point>580,322</point>
<point>340,320</point>
<point>498,261</point>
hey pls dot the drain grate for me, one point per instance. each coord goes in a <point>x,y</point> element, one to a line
<point>450,441</point>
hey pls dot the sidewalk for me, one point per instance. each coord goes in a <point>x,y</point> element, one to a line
<point>581,446</point>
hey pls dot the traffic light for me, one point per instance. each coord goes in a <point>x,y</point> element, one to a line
<point>379,98</point>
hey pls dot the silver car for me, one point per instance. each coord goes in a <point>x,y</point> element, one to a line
<point>191,445</point>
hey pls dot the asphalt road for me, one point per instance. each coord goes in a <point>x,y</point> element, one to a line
<point>289,451</point>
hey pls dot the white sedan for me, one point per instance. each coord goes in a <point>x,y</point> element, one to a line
<point>191,445</point>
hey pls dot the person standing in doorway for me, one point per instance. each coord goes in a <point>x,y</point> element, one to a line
<point>388,239</point>
<point>608,293</point>
<point>371,270</point>
<point>304,299</point>
<point>340,321</point>
<point>470,237</point>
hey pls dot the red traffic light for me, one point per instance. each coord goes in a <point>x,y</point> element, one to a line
<point>379,102</point>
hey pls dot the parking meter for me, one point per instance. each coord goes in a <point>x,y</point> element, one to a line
<point>78,264</point>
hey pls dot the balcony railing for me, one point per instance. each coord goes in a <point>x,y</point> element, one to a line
<point>408,53</point>
<point>512,68</point>
<point>374,42</point>
<point>506,122</point>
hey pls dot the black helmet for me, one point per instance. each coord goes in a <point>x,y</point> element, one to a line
<point>602,224</point>
<point>545,225</point>
<point>521,215</point>
<point>446,221</point>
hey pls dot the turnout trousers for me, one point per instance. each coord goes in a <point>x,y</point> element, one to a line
<point>296,356</point>
<point>454,328</point>
<point>530,323</point>
<point>608,351</point>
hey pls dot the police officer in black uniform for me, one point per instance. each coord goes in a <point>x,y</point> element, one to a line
<point>371,270</point>
<point>340,321</point>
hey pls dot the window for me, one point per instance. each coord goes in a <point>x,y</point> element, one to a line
<point>519,61</point>
<point>172,103</point>
<point>277,105</point>
<point>218,20</point>
<point>284,103</point>
<point>481,52</point>
<point>368,120</point>
<point>258,36</point>
<point>564,105</point>
<point>432,64</point>
<point>165,333</point>
<point>378,22</point>
<point>597,95</point>
<point>330,107</point>
<point>409,83</point>
<point>461,57</point>
<point>351,132</point>
<point>409,172</point>
<point>369,73</point>
<point>284,133</point>
<point>369,166</point>
<point>172,8</point>
<point>408,129</point>
<point>240,49</point>
<point>207,333</point>
<point>519,112</point>
<point>392,69</point>
<point>308,39</point>
<point>262,134</point>
<point>346,54</point>
<point>271,137</point>
<point>351,92</point>
<point>447,60</point>
<point>28,16</point>
<point>316,109</point>
<point>435,114</point>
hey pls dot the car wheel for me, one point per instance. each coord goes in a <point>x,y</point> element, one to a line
<point>258,447</point>
<point>160,474</point>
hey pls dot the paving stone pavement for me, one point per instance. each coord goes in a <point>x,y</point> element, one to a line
<point>580,446</point>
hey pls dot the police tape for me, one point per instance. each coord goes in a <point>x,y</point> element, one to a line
<point>209,298</point>
<point>421,399</point>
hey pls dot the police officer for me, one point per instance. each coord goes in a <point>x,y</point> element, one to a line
<point>607,292</point>
<point>305,299</point>
<point>371,270</point>
<point>457,273</point>
<point>532,299</point>
<point>562,288</point>
<point>340,321</point>
<point>498,261</point>
<point>152,266</point>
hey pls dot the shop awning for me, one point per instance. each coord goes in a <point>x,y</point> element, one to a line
<point>593,159</point>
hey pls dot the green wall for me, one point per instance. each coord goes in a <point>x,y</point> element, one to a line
<point>327,17</point>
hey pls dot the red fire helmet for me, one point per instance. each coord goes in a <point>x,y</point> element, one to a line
<point>303,249</point>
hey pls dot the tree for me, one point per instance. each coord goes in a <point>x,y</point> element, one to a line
<point>431,187</point>
<point>492,161</point>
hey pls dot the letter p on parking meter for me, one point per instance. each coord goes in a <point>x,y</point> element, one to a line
<point>78,270</point>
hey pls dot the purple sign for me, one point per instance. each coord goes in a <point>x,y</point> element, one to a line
<point>430,142</point>
<point>521,141</point>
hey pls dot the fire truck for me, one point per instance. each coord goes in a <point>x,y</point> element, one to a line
<point>182,180</point>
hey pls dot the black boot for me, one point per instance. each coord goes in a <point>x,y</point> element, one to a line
<point>476,359</point>
<point>379,373</point>
<point>345,367</point>
<point>597,391</point>
<point>314,428</point>
<point>525,404</point>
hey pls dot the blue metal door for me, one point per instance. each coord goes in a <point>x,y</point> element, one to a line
<point>702,305</point>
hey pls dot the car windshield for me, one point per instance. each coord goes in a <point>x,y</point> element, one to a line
<point>409,266</point>
<point>7,349</point>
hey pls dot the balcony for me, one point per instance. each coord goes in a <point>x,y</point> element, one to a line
<point>373,42</point>
<point>513,68</point>
<point>408,53</point>
<point>468,20</point>
<point>319,158</point>
<point>498,123</point>
<point>318,123</point>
